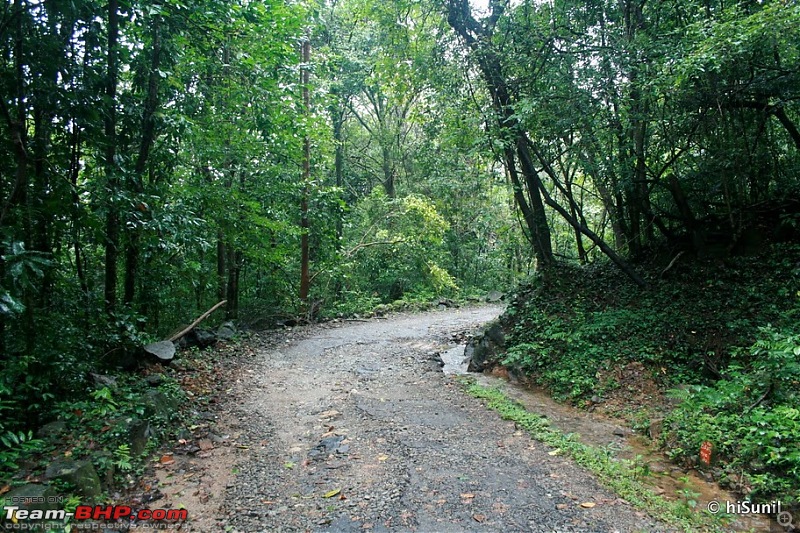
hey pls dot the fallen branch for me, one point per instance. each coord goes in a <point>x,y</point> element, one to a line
<point>760,400</point>
<point>193,324</point>
<point>671,263</point>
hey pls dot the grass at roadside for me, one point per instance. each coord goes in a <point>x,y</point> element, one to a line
<point>621,476</point>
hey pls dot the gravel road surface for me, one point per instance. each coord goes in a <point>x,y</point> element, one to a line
<point>355,428</point>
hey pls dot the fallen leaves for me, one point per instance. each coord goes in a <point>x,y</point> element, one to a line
<point>588,505</point>
<point>332,493</point>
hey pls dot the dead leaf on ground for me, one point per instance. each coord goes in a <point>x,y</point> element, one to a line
<point>332,493</point>
<point>500,507</point>
<point>205,444</point>
<point>383,458</point>
<point>588,505</point>
<point>562,506</point>
<point>167,460</point>
<point>479,517</point>
<point>328,415</point>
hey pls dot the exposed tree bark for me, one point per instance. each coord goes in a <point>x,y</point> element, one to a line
<point>338,168</point>
<point>235,259</point>
<point>599,242</point>
<point>638,194</point>
<point>478,36</point>
<point>574,210</point>
<point>306,178</point>
<point>774,110</point>
<point>112,178</point>
<point>578,224</point>
<point>221,264</point>
<point>146,142</point>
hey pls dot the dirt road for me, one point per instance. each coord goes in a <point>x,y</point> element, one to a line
<point>355,428</point>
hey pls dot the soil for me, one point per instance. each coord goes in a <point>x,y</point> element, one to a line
<point>354,427</point>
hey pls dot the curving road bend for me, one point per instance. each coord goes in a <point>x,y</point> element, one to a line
<point>356,429</point>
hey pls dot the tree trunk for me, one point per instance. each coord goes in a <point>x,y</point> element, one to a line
<point>338,170</point>
<point>148,136</point>
<point>304,226</point>
<point>112,178</point>
<point>478,37</point>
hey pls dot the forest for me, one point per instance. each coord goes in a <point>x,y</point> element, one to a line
<point>631,168</point>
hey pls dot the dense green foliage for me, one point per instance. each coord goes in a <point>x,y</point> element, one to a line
<point>570,326</point>
<point>751,416</point>
<point>152,166</point>
<point>158,156</point>
<point>700,327</point>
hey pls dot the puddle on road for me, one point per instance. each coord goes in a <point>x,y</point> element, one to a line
<point>455,363</point>
<point>667,479</point>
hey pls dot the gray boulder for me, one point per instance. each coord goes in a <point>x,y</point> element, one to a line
<point>33,497</point>
<point>162,351</point>
<point>52,429</point>
<point>226,331</point>
<point>483,350</point>
<point>157,404</point>
<point>494,296</point>
<point>81,474</point>
<point>136,432</point>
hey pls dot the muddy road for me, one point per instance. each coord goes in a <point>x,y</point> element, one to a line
<point>356,428</point>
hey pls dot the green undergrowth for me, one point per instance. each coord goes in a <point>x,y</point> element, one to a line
<point>116,422</point>
<point>751,417</point>
<point>721,334</point>
<point>621,476</point>
<point>114,425</point>
<point>575,321</point>
<point>356,304</point>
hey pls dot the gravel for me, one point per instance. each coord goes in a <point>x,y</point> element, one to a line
<point>356,428</point>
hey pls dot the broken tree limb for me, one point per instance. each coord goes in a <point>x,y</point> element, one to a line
<point>671,263</point>
<point>193,324</point>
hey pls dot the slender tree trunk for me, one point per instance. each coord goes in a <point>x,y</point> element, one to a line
<point>234,270</point>
<point>478,36</point>
<point>112,177</point>
<point>388,171</point>
<point>148,136</point>
<point>304,226</point>
<point>573,211</point>
<point>338,169</point>
<point>221,266</point>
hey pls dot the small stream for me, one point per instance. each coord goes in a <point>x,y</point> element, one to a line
<point>666,479</point>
